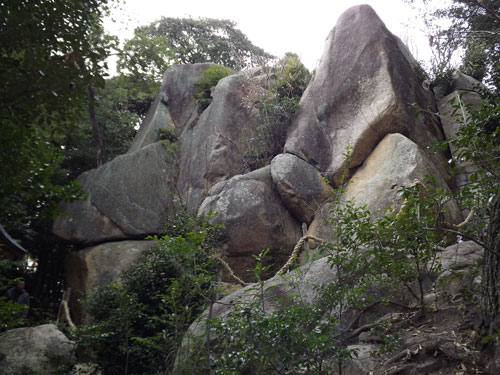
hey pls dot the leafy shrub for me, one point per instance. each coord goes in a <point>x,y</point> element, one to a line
<point>204,86</point>
<point>277,112</point>
<point>135,327</point>
<point>299,337</point>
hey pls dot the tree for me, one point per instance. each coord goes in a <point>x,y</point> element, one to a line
<point>474,29</point>
<point>479,140</point>
<point>119,109</point>
<point>186,41</point>
<point>51,52</point>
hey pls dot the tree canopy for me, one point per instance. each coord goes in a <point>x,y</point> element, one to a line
<point>185,40</point>
<point>43,93</point>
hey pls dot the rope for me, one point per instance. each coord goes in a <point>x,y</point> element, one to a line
<point>218,258</point>
<point>296,252</point>
<point>64,304</point>
<point>291,260</point>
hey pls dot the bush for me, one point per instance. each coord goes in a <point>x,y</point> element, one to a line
<point>204,86</point>
<point>277,112</point>
<point>135,327</point>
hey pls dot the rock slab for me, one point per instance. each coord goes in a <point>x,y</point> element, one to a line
<point>211,151</point>
<point>396,160</point>
<point>175,106</point>
<point>129,197</point>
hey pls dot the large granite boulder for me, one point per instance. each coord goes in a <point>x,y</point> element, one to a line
<point>460,273</point>
<point>252,213</point>
<point>395,161</point>
<point>99,265</point>
<point>41,349</point>
<point>460,256</point>
<point>361,91</point>
<point>178,85</point>
<point>212,150</point>
<point>174,107</point>
<point>300,186</point>
<point>129,197</point>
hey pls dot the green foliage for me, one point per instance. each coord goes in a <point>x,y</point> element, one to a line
<point>471,34</point>
<point>443,78</point>
<point>207,82</point>
<point>294,339</point>
<point>10,312</point>
<point>408,239</point>
<point>185,41</point>
<point>43,92</point>
<point>370,259</point>
<point>277,111</point>
<point>50,52</point>
<point>147,55</point>
<point>478,144</point>
<point>292,77</point>
<point>119,110</point>
<point>136,326</point>
<point>294,336</point>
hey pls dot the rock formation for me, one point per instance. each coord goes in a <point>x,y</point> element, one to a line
<point>212,150</point>
<point>363,97</point>
<point>360,92</point>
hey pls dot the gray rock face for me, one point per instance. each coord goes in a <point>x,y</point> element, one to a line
<point>99,265</point>
<point>300,186</point>
<point>458,276</point>
<point>252,213</point>
<point>178,86</point>
<point>460,256</point>
<point>128,197</point>
<point>360,93</point>
<point>450,123</point>
<point>41,348</point>
<point>158,118</point>
<point>364,362</point>
<point>211,151</point>
<point>174,107</point>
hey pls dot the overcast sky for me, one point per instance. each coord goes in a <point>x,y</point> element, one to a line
<point>277,26</point>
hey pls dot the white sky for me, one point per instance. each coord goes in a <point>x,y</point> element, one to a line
<point>277,26</point>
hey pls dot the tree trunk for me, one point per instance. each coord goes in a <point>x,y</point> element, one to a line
<point>491,273</point>
<point>96,129</point>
